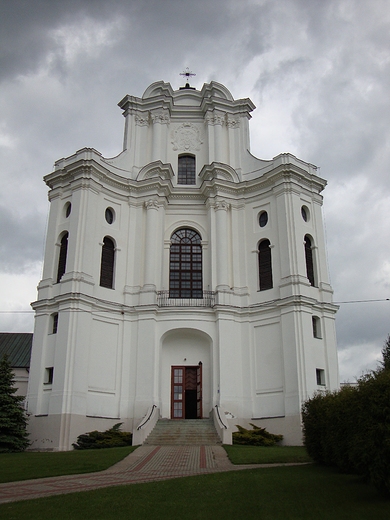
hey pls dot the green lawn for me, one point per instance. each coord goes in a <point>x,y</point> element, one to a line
<point>27,465</point>
<point>266,455</point>
<point>285,493</point>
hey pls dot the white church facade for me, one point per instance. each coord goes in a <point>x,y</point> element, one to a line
<point>182,278</point>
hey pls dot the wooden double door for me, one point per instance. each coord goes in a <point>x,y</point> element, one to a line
<point>186,392</point>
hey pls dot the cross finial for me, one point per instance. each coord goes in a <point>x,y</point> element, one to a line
<point>187,74</point>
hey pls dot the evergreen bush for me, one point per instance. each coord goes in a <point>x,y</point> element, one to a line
<point>350,428</point>
<point>112,438</point>
<point>255,437</point>
<point>13,420</point>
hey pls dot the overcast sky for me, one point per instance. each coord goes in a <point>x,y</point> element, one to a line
<point>317,70</point>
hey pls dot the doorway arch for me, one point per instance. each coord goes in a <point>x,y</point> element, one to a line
<point>189,351</point>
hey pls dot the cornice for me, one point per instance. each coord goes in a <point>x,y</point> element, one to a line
<point>87,167</point>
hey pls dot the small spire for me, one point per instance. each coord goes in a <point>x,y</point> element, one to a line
<point>187,74</point>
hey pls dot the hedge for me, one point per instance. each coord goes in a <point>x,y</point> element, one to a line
<point>350,428</point>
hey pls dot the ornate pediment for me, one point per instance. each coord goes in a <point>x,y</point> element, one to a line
<point>217,170</point>
<point>155,169</point>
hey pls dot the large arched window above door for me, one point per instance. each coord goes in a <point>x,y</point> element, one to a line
<point>265,265</point>
<point>186,169</point>
<point>309,260</point>
<point>62,256</point>
<point>185,265</point>
<point>107,263</point>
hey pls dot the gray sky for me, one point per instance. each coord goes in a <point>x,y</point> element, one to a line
<point>317,70</point>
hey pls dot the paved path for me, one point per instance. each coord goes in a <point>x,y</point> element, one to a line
<point>145,464</point>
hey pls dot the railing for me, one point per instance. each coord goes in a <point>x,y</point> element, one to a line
<point>146,426</point>
<point>148,418</point>
<point>164,300</point>
<point>219,417</point>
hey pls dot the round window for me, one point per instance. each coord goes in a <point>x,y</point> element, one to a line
<point>109,215</point>
<point>263,218</point>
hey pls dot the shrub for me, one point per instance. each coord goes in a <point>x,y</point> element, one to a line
<point>255,437</point>
<point>112,438</point>
<point>350,428</point>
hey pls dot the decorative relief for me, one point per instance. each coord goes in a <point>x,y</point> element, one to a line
<point>151,204</point>
<point>142,119</point>
<point>186,138</point>
<point>221,204</point>
<point>160,117</point>
<point>215,119</point>
<point>233,123</point>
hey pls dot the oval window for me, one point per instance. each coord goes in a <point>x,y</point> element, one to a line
<point>109,215</point>
<point>263,218</point>
<point>68,209</point>
<point>305,213</point>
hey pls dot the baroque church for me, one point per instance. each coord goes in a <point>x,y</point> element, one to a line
<point>183,279</point>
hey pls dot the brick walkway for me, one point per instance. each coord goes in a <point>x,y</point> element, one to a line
<point>145,464</point>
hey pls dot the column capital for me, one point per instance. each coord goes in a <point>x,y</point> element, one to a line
<point>221,204</point>
<point>152,204</point>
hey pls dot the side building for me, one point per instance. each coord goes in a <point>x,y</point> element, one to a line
<point>17,347</point>
<point>181,278</point>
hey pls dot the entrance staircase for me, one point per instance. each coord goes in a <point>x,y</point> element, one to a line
<point>195,432</point>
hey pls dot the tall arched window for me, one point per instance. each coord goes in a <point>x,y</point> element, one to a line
<point>186,169</point>
<point>185,265</point>
<point>62,257</point>
<point>309,260</point>
<point>265,265</point>
<point>107,263</point>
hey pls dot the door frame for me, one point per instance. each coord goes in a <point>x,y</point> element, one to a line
<point>178,382</point>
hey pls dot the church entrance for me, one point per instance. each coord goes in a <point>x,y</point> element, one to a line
<point>186,392</point>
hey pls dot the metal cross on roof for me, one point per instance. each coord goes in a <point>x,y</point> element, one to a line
<point>187,74</point>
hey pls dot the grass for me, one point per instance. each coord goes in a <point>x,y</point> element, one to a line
<point>28,465</point>
<point>266,455</point>
<point>288,493</point>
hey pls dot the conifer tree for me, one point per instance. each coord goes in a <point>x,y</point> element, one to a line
<point>13,421</point>
<point>385,364</point>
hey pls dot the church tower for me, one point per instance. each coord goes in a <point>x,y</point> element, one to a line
<point>183,278</point>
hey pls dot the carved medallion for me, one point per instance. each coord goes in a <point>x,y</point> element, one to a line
<point>186,138</point>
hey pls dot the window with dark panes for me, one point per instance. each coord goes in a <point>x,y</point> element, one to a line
<point>186,169</point>
<point>185,265</point>
<point>309,260</point>
<point>54,318</point>
<point>107,263</point>
<point>62,257</point>
<point>265,265</point>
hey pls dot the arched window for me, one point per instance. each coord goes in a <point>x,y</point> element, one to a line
<point>185,265</point>
<point>186,169</point>
<point>309,260</point>
<point>62,257</point>
<point>54,323</point>
<point>265,265</point>
<point>316,323</point>
<point>107,263</point>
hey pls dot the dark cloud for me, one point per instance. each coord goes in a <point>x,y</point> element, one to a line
<point>318,71</point>
<point>21,240</point>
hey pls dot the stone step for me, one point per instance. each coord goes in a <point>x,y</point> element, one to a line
<point>183,432</point>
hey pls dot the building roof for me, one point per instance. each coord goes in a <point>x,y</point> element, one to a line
<point>17,345</point>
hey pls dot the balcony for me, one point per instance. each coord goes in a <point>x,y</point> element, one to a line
<point>163,300</point>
